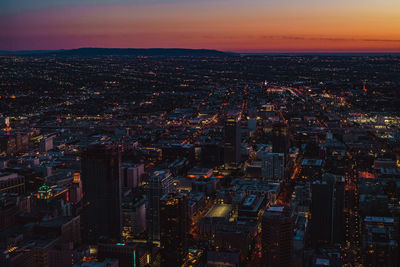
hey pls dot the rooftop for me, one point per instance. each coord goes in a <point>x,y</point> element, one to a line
<point>276,208</point>
<point>219,211</point>
<point>312,162</point>
<point>378,219</point>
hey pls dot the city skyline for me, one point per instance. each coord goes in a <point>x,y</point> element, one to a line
<point>212,133</point>
<point>227,25</point>
<point>199,159</point>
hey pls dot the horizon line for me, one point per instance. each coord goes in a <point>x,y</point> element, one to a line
<point>255,51</point>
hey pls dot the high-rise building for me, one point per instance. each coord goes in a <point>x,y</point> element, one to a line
<point>212,154</point>
<point>273,166</point>
<point>160,183</point>
<point>133,217</point>
<point>280,139</point>
<point>101,189</point>
<point>277,236</point>
<point>174,229</point>
<point>232,144</point>
<point>380,245</point>
<point>12,183</point>
<point>68,228</point>
<point>63,255</point>
<point>327,212</point>
<point>46,144</point>
<point>131,175</point>
<point>311,169</point>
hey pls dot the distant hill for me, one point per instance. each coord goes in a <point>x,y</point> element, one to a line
<point>153,52</point>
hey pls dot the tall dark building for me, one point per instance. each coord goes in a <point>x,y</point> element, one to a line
<point>277,236</point>
<point>174,229</point>
<point>327,212</point>
<point>101,189</point>
<point>160,183</point>
<point>212,154</point>
<point>232,140</point>
<point>280,139</point>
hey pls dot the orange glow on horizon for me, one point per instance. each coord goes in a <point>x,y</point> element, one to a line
<point>239,26</point>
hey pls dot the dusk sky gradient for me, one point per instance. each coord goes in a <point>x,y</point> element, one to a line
<point>228,25</point>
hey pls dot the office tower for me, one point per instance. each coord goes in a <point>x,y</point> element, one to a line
<point>131,175</point>
<point>66,228</point>
<point>101,188</point>
<point>327,212</point>
<point>133,217</point>
<point>62,255</point>
<point>380,245</point>
<point>174,151</point>
<point>174,229</point>
<point>160,183</point>
<point>277,236</point>
<point>321,212</point>
<point>311,169</point>
<point>12,183</point>
<point>212,154</point>
<point>273,166</point>
<point>280,139</point>
<point>232,144</point>
<point>46,144</point>
<point>8,145</point>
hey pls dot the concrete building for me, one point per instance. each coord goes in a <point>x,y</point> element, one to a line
<point>101,187</point>
<point>273,166</point>
<point>277,236</point>
<point>160,183</point>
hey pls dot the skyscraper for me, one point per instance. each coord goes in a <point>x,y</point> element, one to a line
<point>174,229</point>
<point>280,139</point>
<point>131,175</point>
<point>101,186</point>
<point>277,236</point>
<point>232,144</point>
<point>273,166</point>
<point>327,212</point>
<point>160,183</point>
<point>133,217</point>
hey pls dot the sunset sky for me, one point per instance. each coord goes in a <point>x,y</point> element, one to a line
<point>229,25</point>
